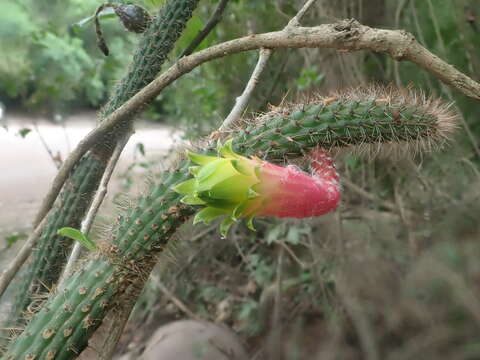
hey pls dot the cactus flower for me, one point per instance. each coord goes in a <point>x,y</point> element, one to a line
<point>237,187</point>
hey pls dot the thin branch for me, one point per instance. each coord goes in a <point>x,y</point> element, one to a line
<point>345,35</point>
<point>56,161</point>
<point>295,21</point>
<point>9,273</point>
<point>95,206</point>
<point>212,22</point>
<point>242,101</point>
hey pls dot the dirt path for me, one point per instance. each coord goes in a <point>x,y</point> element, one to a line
<point>26,170</point>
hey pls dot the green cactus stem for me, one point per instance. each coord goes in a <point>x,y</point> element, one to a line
<point>62,328</point>
<point>46,263</point>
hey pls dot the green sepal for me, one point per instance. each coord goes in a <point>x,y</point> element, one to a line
<point>225,225</point>
<point>208,214</point>
<point>226,149</point>
<point>242,167</point>
<point>237,212</point>
<point>77,235</point>
<point>214,173</point>
<point>186,187</point>
<point>252,194</point>
<point>194,170</point>
<point>192,200</point>
<point>200,159</point>
<point>249,223</point>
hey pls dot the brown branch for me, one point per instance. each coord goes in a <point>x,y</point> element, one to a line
<point>202,34</point>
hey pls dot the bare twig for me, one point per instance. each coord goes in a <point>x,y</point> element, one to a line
<point>212,22</point>
<point>95,206</point>
<point>295,21</point>
<point>9,273</point>
<point>56,161</point>
<point>242,101</point>
<point>357,189</point>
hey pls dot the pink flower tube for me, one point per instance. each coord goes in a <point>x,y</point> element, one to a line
<point>235,186</point>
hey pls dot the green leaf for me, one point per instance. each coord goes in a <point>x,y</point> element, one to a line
<point>77,235</point>
<point>140,148</point>
<point>24,132</point>
<point>12,239</point>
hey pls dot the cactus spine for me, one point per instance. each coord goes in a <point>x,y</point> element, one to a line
<point>62,328</point>
<point>155,45</point>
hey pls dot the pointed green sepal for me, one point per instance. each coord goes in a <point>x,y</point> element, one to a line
<point>194,170</point>
<point>186,188</point>
<point>237,212</point>
<point>208,214</point>
<point>226,149</point>
<point>242,167</point>
<point>192,200</point>
<point>252,194</point>
<point>225,225</point>
<point>77,235</point>
<point>201,159</point>
<point>250,223</point>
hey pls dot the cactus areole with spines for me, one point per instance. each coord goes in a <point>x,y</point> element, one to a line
<point>237,187</point>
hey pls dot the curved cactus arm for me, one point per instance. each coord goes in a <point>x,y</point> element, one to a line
<point>62,328</point>
<point>46,263</point>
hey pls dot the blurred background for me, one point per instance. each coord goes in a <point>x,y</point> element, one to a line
<point>392,274</point>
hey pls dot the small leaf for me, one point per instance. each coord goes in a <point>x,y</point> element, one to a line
<point>140,148</point>
<point>77,235</point>
<point>12,239</point>
<point>24,132</point>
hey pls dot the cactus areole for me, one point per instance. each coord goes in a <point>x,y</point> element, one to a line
<point>237,187</point>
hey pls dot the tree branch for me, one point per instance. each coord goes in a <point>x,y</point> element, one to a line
<point>212,22</point>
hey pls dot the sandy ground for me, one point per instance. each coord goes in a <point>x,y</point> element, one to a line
<point>26,169</point>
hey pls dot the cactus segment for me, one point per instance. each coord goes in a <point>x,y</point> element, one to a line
<point>238,187</point>
<point>45,267</point>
